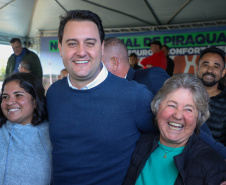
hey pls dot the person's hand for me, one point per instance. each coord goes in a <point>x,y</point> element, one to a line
<point>149,65</point>
<point>223,183</point>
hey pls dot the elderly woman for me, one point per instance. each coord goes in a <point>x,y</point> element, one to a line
<point>176,155</point>
<point>25,147</point>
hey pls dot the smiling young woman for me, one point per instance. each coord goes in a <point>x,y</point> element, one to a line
<point>25,144</point>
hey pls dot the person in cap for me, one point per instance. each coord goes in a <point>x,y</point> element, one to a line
<point>157,59</point>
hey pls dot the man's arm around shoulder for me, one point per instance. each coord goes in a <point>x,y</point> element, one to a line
<point>144,115</point>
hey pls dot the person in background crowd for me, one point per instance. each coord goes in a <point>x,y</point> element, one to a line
<point>133,60</point>
<point>95,129</point>
<point>223,80</point>
<point>25,67</point>
<point>25,154</point>
<point>210,70</point>
<point>115,59</point>
<point>63,73</point>
<point>157,59</point>
<point>21,54</point>
<point>176,155</point>
<point>170,62</point>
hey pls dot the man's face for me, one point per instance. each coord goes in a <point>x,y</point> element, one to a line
<point>132,60</point>
<point>17,48</point>
<point>210,69</point>
<point>63,74</point>
<point>166,52</point>
<point>81,50</point>
<point>154,48</point>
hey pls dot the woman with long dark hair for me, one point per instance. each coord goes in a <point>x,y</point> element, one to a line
<point>25,154</point>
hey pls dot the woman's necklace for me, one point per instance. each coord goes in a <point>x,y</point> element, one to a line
<point>166,152</point>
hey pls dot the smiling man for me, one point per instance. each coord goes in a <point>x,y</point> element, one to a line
<point>95,117</point>
<point>210,69</point>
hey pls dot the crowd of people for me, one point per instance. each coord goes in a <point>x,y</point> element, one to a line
<point>106,120</point>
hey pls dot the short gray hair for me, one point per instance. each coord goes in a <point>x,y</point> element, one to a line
<point>116,42</point>
<point>191,83</point>
<point>26,64</point>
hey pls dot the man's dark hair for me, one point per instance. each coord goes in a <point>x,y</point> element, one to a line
<point>80,15</point>
<point>133,55</point>
<point>156,42</point>
<point>33,86</point>
<point>26,64</point>
<point>166,47</point>
<point>13,40</point>
<point>213,50</point>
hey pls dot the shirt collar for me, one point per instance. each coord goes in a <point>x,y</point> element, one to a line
<point>98,80</point>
